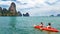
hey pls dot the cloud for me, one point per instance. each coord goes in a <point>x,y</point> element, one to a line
<point>4,6</point>
<point>5,2</point>
<point>51,1</point>
<point>31,3</point>
<point>44,7</point>
<point>8,0</point>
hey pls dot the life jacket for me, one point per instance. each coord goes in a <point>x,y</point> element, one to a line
<point>49,27</point>
<point>41,25</point>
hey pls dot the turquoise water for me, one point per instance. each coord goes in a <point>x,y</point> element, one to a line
<point>24,25</point>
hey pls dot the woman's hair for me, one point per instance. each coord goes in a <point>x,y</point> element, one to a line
<point>49,23</point>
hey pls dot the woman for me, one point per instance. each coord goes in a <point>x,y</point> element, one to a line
<point>49,25</point>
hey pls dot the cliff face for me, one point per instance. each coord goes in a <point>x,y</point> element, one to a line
<point>12,8</point>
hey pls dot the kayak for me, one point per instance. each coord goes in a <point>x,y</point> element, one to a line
<point>51,29</point>
<point>46,29</point>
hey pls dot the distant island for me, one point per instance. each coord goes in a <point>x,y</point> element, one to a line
<point>58,15</point>
<point>51,15</point>
<point>11,11</point>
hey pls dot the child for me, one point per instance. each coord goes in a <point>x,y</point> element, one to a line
<point>41,25</point>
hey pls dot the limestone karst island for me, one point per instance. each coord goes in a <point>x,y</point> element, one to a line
<point>11,11</point>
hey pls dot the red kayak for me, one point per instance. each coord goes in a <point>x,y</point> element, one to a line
<point>46,29</point>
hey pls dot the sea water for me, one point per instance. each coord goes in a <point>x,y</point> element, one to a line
<point>24,25</point>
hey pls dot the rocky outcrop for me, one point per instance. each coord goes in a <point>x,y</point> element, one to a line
<point>0,11</point>
<point>51,15</point>
<point>27,14</point>
<point>19,13</point>
<point>4,11</point>
<point>58,14</point>
<point>12,9</point>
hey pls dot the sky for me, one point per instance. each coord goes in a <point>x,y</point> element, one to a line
<point>34,7</point>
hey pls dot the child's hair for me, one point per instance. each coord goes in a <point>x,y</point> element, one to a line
<point>41,22</point>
